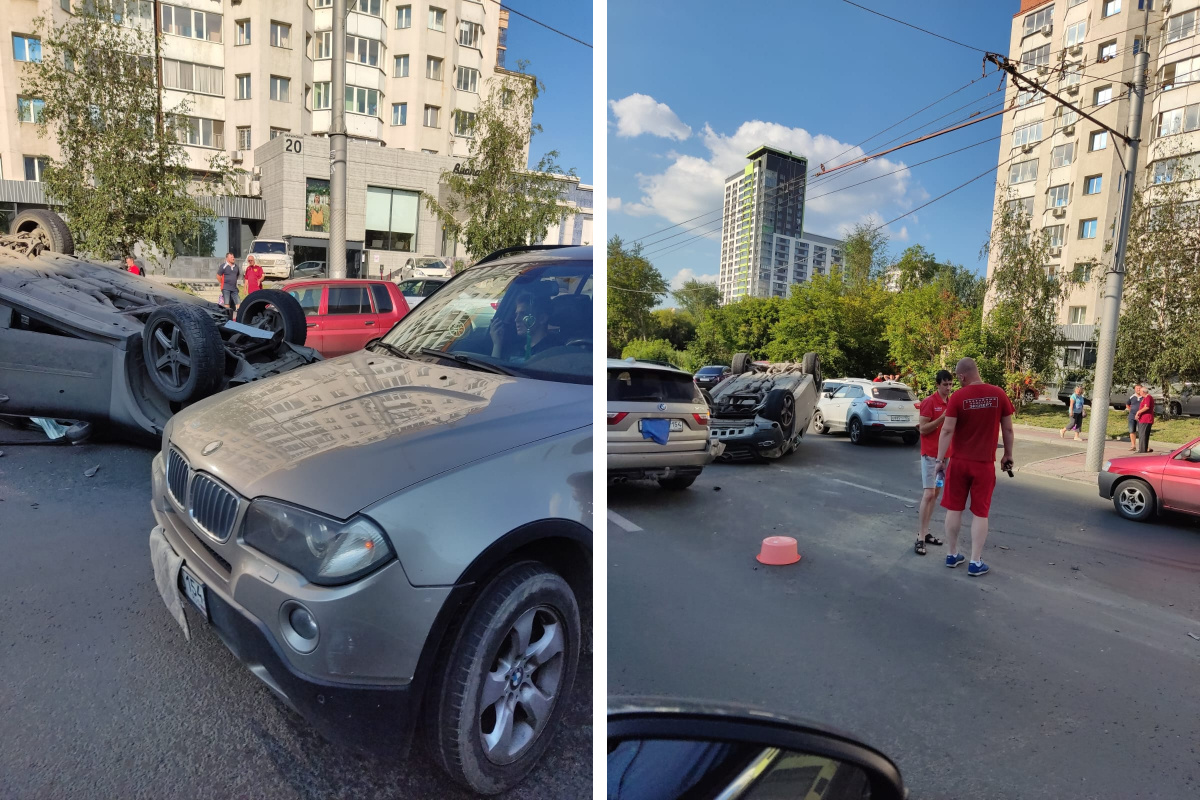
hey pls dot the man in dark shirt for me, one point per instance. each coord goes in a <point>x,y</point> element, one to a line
<point>1131,406</point>
<point>229,274</point>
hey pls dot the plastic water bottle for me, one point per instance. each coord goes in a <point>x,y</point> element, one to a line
<point>940,479</point>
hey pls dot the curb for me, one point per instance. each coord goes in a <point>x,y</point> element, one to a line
<point>1019,429</point>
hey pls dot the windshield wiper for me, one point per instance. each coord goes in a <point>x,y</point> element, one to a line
<point>467,360</point>
<point>391,348</point>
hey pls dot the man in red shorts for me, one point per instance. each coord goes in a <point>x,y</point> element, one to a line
<point>975,415</point>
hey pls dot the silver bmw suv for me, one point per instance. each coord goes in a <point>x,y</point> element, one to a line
<point>400,538</point>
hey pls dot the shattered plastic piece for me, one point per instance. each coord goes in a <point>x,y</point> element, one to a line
<point>52,428</point>
<point>1194,636</point>
<point>89,473</point>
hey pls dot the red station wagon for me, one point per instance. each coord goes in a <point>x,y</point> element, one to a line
<point>1143,486</point>
<point>343,315</point>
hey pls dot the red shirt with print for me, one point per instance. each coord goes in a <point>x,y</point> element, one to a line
<point>1146,410</point>
<point>978,409</point>
<point>932,408</point>
<point>254,276</point>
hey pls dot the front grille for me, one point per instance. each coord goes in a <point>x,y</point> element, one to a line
<point>216,556</point>
<point>214,508</point>
<point>177,476</point>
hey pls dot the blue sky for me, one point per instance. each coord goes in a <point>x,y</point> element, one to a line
<point>694,86</point>
<point>565,67</point>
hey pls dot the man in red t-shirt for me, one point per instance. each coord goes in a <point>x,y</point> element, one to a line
<point>975,415</point>
<point>933,414</point>
<point>254,276</point>
<point>1145,420</point>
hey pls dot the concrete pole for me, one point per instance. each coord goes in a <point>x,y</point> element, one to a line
<point>1116,277</point>
<point>337,147</point>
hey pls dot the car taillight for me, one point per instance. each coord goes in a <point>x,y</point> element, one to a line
<point>616,416</point>
<point>493,306</point>
<point>701,419</point>
<point>876,404</point>
<point>917,406</point>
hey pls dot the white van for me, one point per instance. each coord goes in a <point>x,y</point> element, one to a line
<point>273,255</point>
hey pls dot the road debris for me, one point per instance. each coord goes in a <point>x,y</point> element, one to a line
<point>1002,547</point>
<point>89,473</point>
<point>1194,636</point>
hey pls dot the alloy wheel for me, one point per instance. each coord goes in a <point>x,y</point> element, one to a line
<point>1132,501</point>
<point>169,351</point>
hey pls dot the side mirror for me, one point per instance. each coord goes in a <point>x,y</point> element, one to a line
<point>669,751</point>
<point>828,395</point>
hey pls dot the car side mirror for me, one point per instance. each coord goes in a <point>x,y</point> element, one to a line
<point>829,395</point>
<point>1191,454</point>
<point>669,751</point>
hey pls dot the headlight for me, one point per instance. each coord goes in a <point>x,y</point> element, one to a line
<point>326,551</point>
<point>1107,466</point>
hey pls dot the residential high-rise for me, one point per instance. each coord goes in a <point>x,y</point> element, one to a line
<point>763,246</point>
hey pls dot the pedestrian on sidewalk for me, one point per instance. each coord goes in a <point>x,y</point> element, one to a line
<point>929,424</point>
<point>1145,418</point>
<point>1075,406</point>
<point>229,273</point>
<point>1131,408</point>
<point>254,275</point>
<point>975,416</point>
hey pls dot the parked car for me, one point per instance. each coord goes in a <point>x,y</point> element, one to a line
<point>343,315</point>
<point>426,267</point>
<point>1144,486</point>
<point>763,410</point>
<point>709,377</point>
<point>866,409</point>
<point>273,255</point>
<point>83,341</point>
<point>642,394</point>
<point>828,389</point>
<point>403,534</point>
<point>309,269</point>
<point>418,289</point>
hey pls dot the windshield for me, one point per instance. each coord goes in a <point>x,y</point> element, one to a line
<point>273,248</point>
<point>531,319</point>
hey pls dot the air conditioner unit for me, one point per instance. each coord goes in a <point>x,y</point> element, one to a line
<point>1047,29</point>
<point>1073,89</point>
<point>236,156</point>
<point>1043,70</point>
<point>1069,129</point>
<point>1076,50</point>
<point>1059,212</point>
<point>1055,252</point>
<point>1028,148</point>
<point>257,172</point>
<point>256,188</point>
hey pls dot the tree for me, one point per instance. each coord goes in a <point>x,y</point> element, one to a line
<point>493,199</point>
<point>697,297</point>
<point>865,254</point>
<point>677,327</point>
<point>916,267</point>
<point>655,350</point>
<point>923,324</point>
<point>123,176</point>
<point>635,287</point>
<point>841,320</point>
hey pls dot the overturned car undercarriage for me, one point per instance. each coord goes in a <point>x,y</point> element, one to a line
<point>764,409</point>
<point>84,341</point>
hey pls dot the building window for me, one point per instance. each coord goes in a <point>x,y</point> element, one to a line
<point>391,219</point>
<point>1038,19</point>
<point>324,45</point>
<point>1027,134</point>
<point>30,109</point>
<point>281,34</point>
<point>432,116</point>
<point>468,80</point>
<point>1099,141</point>
<point>464,123</point>
<point>281,89</point>
<point>404,17</point>
<point>35,167</point>
<point>469,34</point>
<point>1058,196</point>
<point>1076,33</point>
<point>1023,171</point>
<point>506,98</point>
<point>1029,98</point>
<point>189,77</point>
<point>1062,155</point>
<point>322,96</point>
<point>65,4</point>
<point>362,101</point>
<point>188,22</point>
<point>1066,116</point>
<point>399,114</point>
<point>1103,96</point>
<point>1181,72</point>
<point>371,7</point>
<point>1082,273</point>
<point>242,31</point>
<point>27,48</point>
<point>324,4</point>
<point>1055,235</point>
<point>277,132</point>
<point>433,68</point>
<point>243,139</point>
<point>1038,57</point>
<point>1087,229</point>
<point>400,67</point>
<point>1078,315</point>
<point>1111,7</point>
<point>364,51</point>
<point>1107,51</point>
<point>1181,26</point>
<point>199,132</point>
<point>1137,45</point>
<point>1021,207</point>
<point>1092,183</point>
<point>242,84</point>
<point>1179,120</point>
<point>437,19</point>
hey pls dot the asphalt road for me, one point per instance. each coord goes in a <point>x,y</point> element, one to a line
<point>1067,672</point>
<point>101,695</point>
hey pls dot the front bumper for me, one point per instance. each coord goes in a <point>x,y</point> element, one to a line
<point>745,438</point>
<point>1106,480</point>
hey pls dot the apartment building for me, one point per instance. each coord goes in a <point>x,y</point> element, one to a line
<point>764,249</point>
<point>1066,172</point>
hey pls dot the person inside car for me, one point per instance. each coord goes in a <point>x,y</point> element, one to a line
<point>528,333</point>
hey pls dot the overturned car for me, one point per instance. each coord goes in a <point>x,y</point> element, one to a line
<point>763,410</point>
<point>83,341</point>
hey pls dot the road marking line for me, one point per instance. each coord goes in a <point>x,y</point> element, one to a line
<point>876,491</point>
<point>621,522</point>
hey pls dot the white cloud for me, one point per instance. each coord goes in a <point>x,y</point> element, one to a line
<point>688,274</point>
<point>641,113</point>
<point>692,185</point>
<point>614,204</point>
<point>902,235</point>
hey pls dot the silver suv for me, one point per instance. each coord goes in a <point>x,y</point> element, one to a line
<point>866,409</point>
<point>402,536</point>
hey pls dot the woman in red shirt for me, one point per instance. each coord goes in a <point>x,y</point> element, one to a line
<point>254,275</point>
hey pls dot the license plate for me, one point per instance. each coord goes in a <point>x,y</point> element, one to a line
<point>676,425</point>
<point>899,418</point>
<point>194,589</point>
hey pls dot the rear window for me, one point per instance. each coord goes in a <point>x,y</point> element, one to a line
<point>712,370</point>
<point>649,386</point>
<point>891,393</point>
<point>383,301</point>
<point>348,300</point>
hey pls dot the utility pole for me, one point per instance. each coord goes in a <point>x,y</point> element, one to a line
<point>337,147</point>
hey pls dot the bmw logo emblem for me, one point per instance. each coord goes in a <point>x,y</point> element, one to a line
<point>662,406</point>
<point>211,448</point>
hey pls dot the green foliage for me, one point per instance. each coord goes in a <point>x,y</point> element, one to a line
<point>635,287</point>
<point>655,350</point>
<point>677,327</point>
<point>123,177</point>
<point>742,327</point>
<point>495,200</point>
<point>697,297</point>
<point>865,254</point>
<point>923,323</point>
<point>843,321</point>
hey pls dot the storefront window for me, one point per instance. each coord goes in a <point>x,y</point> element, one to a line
<point>391,219</point>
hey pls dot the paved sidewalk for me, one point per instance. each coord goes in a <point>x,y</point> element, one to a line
<point>1071,465</point>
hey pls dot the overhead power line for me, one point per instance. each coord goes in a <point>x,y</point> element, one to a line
<point>539,22</point>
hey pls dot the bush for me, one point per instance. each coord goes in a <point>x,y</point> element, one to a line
<point>655,350</point>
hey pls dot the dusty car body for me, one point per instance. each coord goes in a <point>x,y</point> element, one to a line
<point>763,410</point>
<point>72,345</point>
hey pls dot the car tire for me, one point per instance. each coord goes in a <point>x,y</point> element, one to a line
<point>910,438</point>
<point>819,423</point>
<point>708,398</point>
<point>1030,395</point>
<point>677,483</point>
<point>456,714</point>
<point>741,363</point>
<point>812,366</point>
<point>1175,410</point>
<point>275,310</point>
<point>1134,499</point>
<point>50,226</point>
<point>855,429</point>
<point>180,332</point>
<point>780,406</point>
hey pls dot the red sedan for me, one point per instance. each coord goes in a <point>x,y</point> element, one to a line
<point>343,315</point>
<point>1143,486</point>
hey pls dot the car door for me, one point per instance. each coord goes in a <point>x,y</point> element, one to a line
<point>838,407</point>
<point>349,319</point>
<point>1181,480</point>
<point>311,299</point>
<point>390,307</point>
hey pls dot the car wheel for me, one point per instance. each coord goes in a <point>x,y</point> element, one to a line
<point>506,679</point>
<point>812,366</point>
<point>780,406</point>
<point>275,310</point>
<point>184,354</point>
<point>47,226</point>
<point>708,399</point>
<point>741,363</point>
<point>857,435</point>
<point>1030,395</point>
<point>910,438</point>
<point>1175,409</point>
<point>819,423</point>
<point>1134,499</point>
<point>678,483</point>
